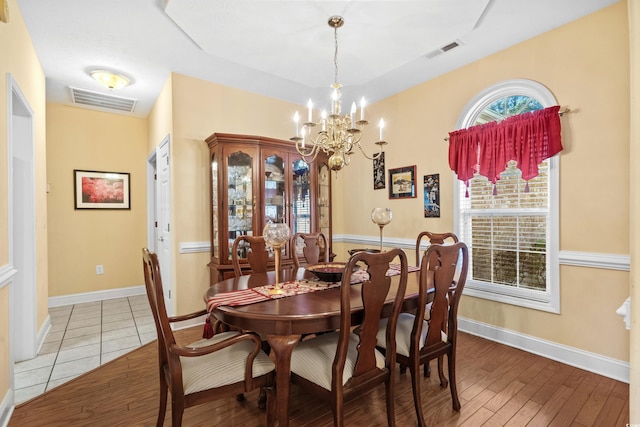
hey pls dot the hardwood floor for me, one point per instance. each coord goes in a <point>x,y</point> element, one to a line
<point>497,385</point>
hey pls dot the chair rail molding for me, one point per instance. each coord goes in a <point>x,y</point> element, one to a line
<point>596,260</point>
<point>194,247</point>
<point>573,258</point>
<point>7,272</point>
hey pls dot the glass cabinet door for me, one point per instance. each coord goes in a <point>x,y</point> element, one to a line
<point>324,201</point>
<point>239,197</point>
<point>300,197</point>
<point>274,190</point>
<point>215,214</point>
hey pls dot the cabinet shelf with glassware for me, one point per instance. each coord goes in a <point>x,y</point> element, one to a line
<point>256,180</point>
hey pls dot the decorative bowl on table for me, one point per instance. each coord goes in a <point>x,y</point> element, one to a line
<point>355,251</point>
<point>327,272</point>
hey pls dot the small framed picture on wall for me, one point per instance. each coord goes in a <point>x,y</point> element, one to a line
<point>379,172</point>
<point>402,182</point>
<point>432,196</point>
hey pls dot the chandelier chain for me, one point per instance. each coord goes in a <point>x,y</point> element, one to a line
<point>335,55</point>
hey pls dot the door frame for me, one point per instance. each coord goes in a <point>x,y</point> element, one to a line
<point>153,208</point>
<point>22,248</point>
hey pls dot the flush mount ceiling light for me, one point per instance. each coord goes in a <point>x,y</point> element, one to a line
<point>110,79</point>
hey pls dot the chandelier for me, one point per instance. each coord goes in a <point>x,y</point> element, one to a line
<point>338,135</point>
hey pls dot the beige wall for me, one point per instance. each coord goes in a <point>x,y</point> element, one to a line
<point>199,109</point>
<point>81,239</point>
<point>585,64</point>
<point>160,121</point>
<point>19,58</point>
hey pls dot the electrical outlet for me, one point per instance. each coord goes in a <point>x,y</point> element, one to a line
<point>99,269</point>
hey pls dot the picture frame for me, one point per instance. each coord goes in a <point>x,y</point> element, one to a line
<point>431,186</point>
<point>402,182</point>
<point>101,190</point>
<point>379,176</point>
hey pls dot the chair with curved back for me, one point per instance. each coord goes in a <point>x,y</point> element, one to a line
<point>434,238</point>
<point>257,254</point>
<point>229,364</point>
<point>337,365</point>
<point>315,248</point>
<point>419,340</point>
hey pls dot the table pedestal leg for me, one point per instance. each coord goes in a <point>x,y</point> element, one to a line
<point>282,346</point>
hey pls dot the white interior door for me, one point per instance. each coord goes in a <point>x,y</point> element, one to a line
<point>163,215</point>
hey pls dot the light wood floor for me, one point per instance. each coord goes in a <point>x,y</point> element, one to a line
<point>497,385</point>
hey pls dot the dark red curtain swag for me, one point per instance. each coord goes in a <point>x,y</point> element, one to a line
<point>528,138</point>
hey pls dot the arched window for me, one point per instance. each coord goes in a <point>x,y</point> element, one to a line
<point>512,229</point>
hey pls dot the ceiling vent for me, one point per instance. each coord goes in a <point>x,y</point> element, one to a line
<point>443,49</point>
<point>101,100</point>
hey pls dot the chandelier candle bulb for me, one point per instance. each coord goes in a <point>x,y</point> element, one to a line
<point>310,105</point>
<point>353,115</point>
<point>381,128</point>
<point>362,104</point>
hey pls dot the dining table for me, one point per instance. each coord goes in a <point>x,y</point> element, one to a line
<point>284,321</point>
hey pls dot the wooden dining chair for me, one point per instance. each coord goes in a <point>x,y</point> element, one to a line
<point>337,365</point>
<point>434,238</point>
<point>315,248</point>
<point>229,364</point>
<point>257,255</point>
<point>419,340</point>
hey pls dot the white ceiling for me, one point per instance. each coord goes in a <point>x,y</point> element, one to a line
<point>282,49</point>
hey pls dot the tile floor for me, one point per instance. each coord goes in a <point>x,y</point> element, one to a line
<point>83,337</point>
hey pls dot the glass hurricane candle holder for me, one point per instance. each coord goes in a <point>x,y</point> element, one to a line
<point>276,235</point>
<point>382,217</point>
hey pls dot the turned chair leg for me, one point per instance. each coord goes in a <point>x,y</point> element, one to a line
<point>452,381</point>
<point>443,379</point>
<point>262,398</point>
<point>415,385</point>
<point>163,405</point>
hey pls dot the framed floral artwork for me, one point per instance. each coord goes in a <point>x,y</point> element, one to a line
<point>101,190</point>
<point>402,182</point>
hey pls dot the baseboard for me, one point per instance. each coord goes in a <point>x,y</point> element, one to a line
<point>189,323</point>
<point>42,333</point>
<point>6,408</point>
<point>592,362</point>
<point>96,296</point>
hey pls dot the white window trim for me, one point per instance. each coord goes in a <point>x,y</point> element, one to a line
<point>550,300</point>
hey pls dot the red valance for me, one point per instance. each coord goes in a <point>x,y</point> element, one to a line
<point>528,138</point>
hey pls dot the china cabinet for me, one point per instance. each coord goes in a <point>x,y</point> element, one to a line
<point>256,180</point>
